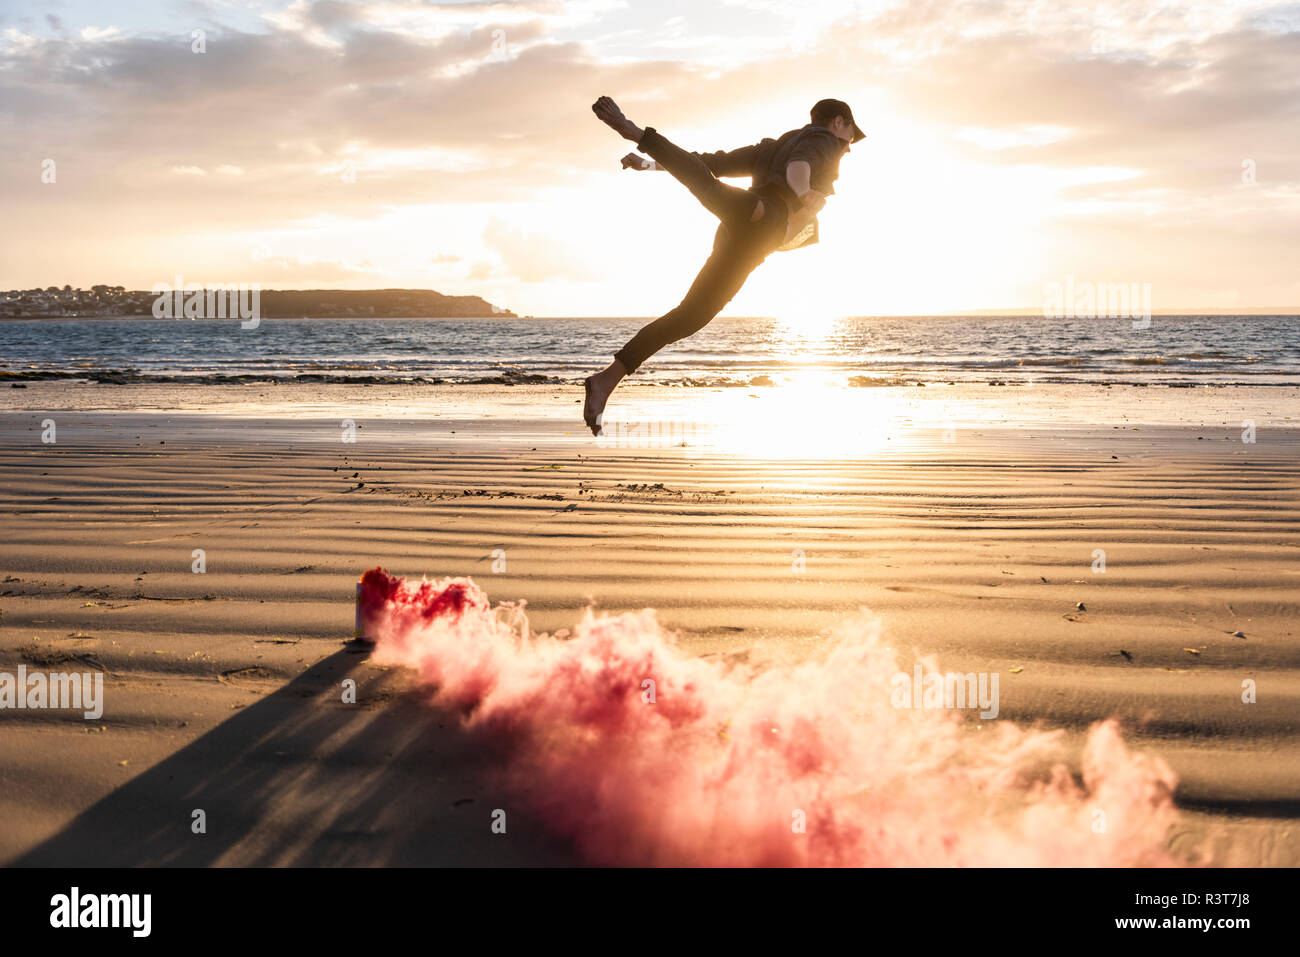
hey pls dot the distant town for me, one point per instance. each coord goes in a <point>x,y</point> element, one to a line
<point>106,302</point>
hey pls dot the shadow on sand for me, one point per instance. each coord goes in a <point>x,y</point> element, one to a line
<point>299,778</point>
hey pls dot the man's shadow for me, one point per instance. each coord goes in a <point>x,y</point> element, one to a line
<point>300,778</point>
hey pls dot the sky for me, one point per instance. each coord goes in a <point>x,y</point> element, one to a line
<point>329,144</point>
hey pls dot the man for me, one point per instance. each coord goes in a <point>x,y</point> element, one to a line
<point>791,177</point>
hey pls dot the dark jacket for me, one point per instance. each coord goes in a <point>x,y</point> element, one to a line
<point>766,161</point>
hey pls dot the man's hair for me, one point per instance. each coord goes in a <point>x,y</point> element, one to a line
<point>822,113</point>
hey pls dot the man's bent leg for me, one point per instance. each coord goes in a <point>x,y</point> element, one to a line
<point>718,281</point>
<point>729,203</point>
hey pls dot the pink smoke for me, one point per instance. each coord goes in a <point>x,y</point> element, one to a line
<point>719,767</point>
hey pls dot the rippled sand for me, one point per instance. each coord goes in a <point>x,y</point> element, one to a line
<point>223,688</point>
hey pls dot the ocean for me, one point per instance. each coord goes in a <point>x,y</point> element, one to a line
<point>867,351</point>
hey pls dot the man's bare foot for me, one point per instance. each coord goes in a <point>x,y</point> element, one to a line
<point>598,389</point>
<point>607,112</point>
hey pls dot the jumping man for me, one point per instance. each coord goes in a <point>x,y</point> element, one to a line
<point>791,177</point>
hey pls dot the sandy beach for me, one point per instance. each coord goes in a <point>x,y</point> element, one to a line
<point>975,544</point>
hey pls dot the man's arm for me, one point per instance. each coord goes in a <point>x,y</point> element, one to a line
<point>798,176</point>
<point>738,162</point>
<point>817,151</point>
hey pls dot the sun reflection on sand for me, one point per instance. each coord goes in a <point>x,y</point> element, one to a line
<point>809,414</point>
<point>812,415</point>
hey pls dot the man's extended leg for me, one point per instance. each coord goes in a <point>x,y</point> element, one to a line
<point>725,271</point>
<point>721,277</point>
<point>730,204</point>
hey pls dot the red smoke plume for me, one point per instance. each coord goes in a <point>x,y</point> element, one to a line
<point>642,753</point>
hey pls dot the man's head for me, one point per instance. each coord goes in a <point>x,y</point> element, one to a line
<point>836,116</point>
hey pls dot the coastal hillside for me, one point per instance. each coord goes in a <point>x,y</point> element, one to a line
<point>109,301</point>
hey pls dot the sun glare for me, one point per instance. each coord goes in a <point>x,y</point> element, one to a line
<point>798,328</point>
<point>810,416</point>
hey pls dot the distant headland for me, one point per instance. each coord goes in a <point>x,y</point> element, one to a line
<point>110,302</point>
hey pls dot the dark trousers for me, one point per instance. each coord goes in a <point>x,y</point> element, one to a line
<point>738,247</point>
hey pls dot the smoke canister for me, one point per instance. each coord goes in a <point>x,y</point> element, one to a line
<point>358,632</point>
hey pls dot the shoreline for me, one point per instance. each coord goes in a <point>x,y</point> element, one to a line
<point>848,377</point>
<point>811,419</point>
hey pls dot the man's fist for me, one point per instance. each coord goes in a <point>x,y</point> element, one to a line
<point>633,161</point>
<point>813,201</point>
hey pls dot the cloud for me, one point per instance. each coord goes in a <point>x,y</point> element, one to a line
<point>535,257</point>
<point>430,109</point>
<point>279,269</point>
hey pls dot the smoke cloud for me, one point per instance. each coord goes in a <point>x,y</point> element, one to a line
<point>644,754</point>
